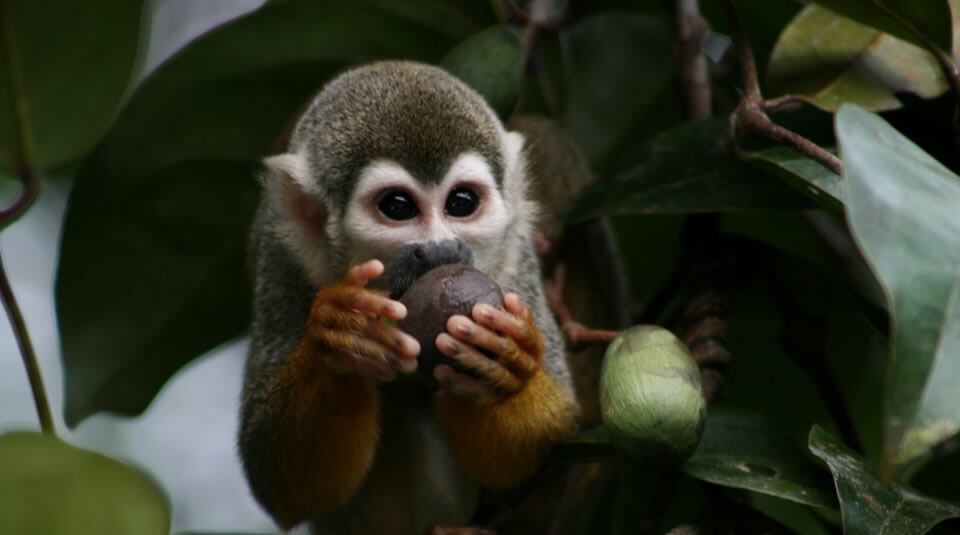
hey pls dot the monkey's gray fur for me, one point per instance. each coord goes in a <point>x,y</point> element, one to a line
<point>422,118</point>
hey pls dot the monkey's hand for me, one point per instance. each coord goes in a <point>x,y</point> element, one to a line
<point>323,407</point>
<point>345,330</point>
<point>503,413</point>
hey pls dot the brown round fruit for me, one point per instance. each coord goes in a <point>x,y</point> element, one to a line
<point>438,294</point>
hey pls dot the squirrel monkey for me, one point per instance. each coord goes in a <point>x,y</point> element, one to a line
<point>395,168</point>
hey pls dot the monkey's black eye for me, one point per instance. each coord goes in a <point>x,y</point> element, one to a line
<point>461,202</point>
<point>398,206</point>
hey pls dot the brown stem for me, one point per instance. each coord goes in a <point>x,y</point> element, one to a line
<point>536,20</point>
<point>576,333</point>
<point>692,29</point>
<point>22,162</point>
<point>783,103</point>
<point>748,66</point>
<point>751,117</point>
<point>19,327</point>
<point>753,120</point>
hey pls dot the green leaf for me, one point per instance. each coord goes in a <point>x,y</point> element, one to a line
<point>74,59</point>
<point>869,504</point>
<point>938,417</point>
<point>812,179</point>
<point>746,450</point>
<point>686,169</point>
<point>152,270</point>
<point>911,20</point>
<point>491,63</point>
<point>828,59</point>
<point>53,488</point>
<point>902,208</point>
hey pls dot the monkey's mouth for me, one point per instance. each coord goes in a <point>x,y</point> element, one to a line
<point>414,259</point>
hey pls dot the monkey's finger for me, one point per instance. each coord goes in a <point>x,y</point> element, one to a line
<point>517,323</point>
<point>360,274</point>
<point>465,330</point>
<point>501,321</point>
<point>463,386</point>
<point>480,365</point>
<point>368,302</point>
<point>354,347</point>
<point>404,347</point>
<point>515,306</point>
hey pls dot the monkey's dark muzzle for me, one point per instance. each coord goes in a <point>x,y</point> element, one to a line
<point>415,259</point>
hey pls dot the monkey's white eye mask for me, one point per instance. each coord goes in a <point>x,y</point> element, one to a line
<point>390,208</point>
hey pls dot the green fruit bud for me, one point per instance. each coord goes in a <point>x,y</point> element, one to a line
<point>651,399</point>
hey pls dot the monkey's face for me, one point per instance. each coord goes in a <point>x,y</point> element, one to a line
<point>414,225</point>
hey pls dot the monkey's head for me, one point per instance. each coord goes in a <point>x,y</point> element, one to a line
<point>404,163</point>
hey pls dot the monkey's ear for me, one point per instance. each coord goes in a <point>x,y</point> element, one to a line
<point>515,183</point>
<point>291,192</point>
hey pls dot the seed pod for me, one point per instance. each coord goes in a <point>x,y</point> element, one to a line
<point>651,399</point>
<point>434,297</point>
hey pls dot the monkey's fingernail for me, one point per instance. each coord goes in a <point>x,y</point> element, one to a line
<point>464,328</point>
<point>485,312</point>
<point>453,346</point>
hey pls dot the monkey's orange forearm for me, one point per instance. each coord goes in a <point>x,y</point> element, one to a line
<point>329,427</point>
<point>502,445</point>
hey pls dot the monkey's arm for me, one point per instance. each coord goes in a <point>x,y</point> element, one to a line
<point>503,421</point>
<point>310,417</point>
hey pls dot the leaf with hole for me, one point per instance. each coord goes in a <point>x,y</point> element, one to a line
<point>153,263</point>
<point>871,505</point>
<point>48,486</point>
<point>828,59</point>
<point>749,451</point>
<point>902,208</point>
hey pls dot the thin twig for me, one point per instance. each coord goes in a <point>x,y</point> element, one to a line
<point>23,163</point>
<point>753,120</point>
<point>26,350</point>
<point>741,44</point>
<point>692,29</point>
<point>750,117</point>
<point>23,157</point>
<point>576,334</point>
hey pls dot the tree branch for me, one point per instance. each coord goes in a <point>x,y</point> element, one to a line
<point>692,29</point>
<point>20,331</point>
<point>22,161</point>
<point>751,117</point>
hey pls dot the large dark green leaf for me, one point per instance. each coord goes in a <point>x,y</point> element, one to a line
<point>869,504</point>
<point>902,208</point>
<point>490,62</point>
<point>749,451</point>
<point>809,177</point>
<point>906,19</point>
<point>75,59</point>
<point>686,169</point>
<point>53,488</point>
<point>828,59</point>
<point>152,269</point>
